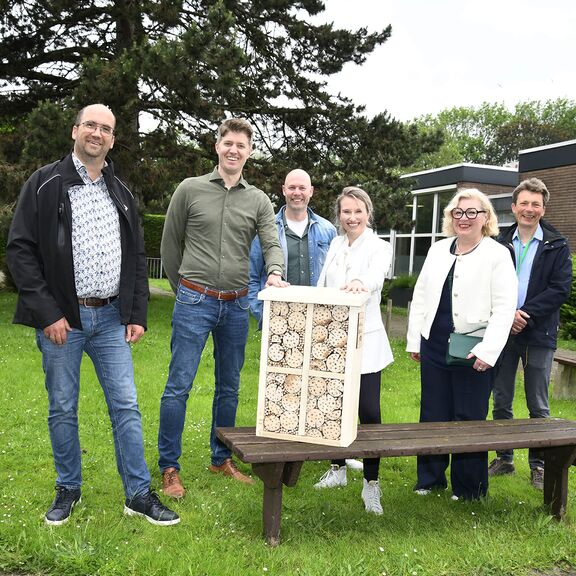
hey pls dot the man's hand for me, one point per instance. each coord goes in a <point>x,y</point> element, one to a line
<point>415,356</point>
<point>520,322</point>
<point>134,332</point>
<point>58,332</point>
<point>276,280</point>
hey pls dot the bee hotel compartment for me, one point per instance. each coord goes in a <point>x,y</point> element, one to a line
<point>311,353</point>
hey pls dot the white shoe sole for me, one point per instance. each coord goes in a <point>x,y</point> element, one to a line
<point>130,512</point>
<point>60,522</point>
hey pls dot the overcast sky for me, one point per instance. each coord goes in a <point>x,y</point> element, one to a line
<point>446,53</point>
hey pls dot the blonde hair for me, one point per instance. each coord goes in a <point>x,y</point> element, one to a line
<point>357,194</point>
<point>490,227</point>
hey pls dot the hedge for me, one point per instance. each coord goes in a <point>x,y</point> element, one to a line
<point>153,225</point>
<point>568,312</point>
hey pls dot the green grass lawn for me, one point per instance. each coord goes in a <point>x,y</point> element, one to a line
<point>323,533</point>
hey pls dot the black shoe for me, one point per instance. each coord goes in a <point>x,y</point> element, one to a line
<point>61,508</point>
<point>149,506</point>
<point>500,467</point>
<point>537,477</point>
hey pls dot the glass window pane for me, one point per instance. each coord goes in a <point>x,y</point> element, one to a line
<point>503,208</point>
<point>402,259</point>
<point>443,200</point>
<point>421,247</point>
<point>424,213</point>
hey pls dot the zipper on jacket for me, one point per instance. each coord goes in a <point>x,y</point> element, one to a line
<point>61,230</point>
<point>119,202</point>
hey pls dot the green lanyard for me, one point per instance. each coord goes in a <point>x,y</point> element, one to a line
<point>521,257</point>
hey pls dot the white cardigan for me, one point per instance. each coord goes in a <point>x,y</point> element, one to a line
<point>367,260</point>
<point>484,295</point>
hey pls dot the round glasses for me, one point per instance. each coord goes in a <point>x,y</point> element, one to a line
<point>93,126</point>
<point>471,213</point>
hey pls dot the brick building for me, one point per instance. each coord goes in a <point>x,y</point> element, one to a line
<point>556,166</point>
<point>432,190</point>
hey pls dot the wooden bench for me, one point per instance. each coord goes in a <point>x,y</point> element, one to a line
<point>278,462</point>
<point>565,378</point>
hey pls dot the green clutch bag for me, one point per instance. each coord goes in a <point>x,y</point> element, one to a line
<point>459,346</point>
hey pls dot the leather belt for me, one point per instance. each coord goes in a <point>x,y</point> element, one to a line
<point>218,294</point>
<point>95,302</point>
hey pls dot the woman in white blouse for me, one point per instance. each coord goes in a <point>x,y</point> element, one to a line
<point>358,261</point>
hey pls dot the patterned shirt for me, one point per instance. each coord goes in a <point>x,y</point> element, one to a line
<point>96,247</point>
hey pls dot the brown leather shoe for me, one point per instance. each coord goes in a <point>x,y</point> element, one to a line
<point>171,483</point>
<point>228,468</point>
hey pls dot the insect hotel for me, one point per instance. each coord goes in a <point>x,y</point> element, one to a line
<point>310,364</point>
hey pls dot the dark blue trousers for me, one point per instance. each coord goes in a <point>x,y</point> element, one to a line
<point>454,393</point>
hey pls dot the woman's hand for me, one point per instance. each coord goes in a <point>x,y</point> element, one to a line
<point>479,365</point>
<point>415,356</point>
<point>355,287</point>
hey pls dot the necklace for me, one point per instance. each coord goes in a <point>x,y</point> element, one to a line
<point>457,251</point>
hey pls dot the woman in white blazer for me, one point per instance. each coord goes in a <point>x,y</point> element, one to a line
<point>357,261</point>
<point>467,284</point>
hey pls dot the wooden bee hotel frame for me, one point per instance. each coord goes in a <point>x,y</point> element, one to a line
<point>310,364</point>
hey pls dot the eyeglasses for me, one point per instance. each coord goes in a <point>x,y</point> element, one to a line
<point>471,213</point>
<point>93,126</point>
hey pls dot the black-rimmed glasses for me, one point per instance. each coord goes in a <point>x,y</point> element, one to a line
<point>93,126</point>
<point>471,213</point>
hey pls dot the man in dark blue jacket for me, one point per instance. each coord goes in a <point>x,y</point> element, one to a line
<point>542,258</point>
<point>76,253</point>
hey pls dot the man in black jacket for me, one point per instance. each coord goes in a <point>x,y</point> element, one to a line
<point>76,253</point>
<point>542,258</point>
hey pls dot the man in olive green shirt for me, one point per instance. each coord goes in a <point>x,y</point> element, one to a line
<point>210,225</point>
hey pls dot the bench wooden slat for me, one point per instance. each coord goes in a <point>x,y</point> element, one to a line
<point>408,440</point>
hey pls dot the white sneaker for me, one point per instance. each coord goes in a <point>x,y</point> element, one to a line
<point>354,464</point>
<point>371,495</point>
<point>336,476</point>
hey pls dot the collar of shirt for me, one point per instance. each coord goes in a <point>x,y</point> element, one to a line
<point>83,172</point>
<point>539,235</point>
<point>524,268</point>
<point>216,177</point>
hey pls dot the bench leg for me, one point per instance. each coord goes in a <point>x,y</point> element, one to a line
<point>557,463</point>
<point>274,476</point>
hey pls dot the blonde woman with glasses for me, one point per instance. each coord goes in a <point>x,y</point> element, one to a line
<point>467,286</point>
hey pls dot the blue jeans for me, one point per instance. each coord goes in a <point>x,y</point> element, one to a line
<point>103,338</point>
<point>195,316</point>
<point>537,365</point>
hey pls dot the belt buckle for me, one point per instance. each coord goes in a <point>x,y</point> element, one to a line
<point>221,296</point>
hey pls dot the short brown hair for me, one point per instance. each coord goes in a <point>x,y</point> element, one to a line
<point>531,185</point>
<point>235,125</point>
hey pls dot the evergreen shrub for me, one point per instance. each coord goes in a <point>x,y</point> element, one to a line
<point>568,313</point>
<point>153,224</point>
